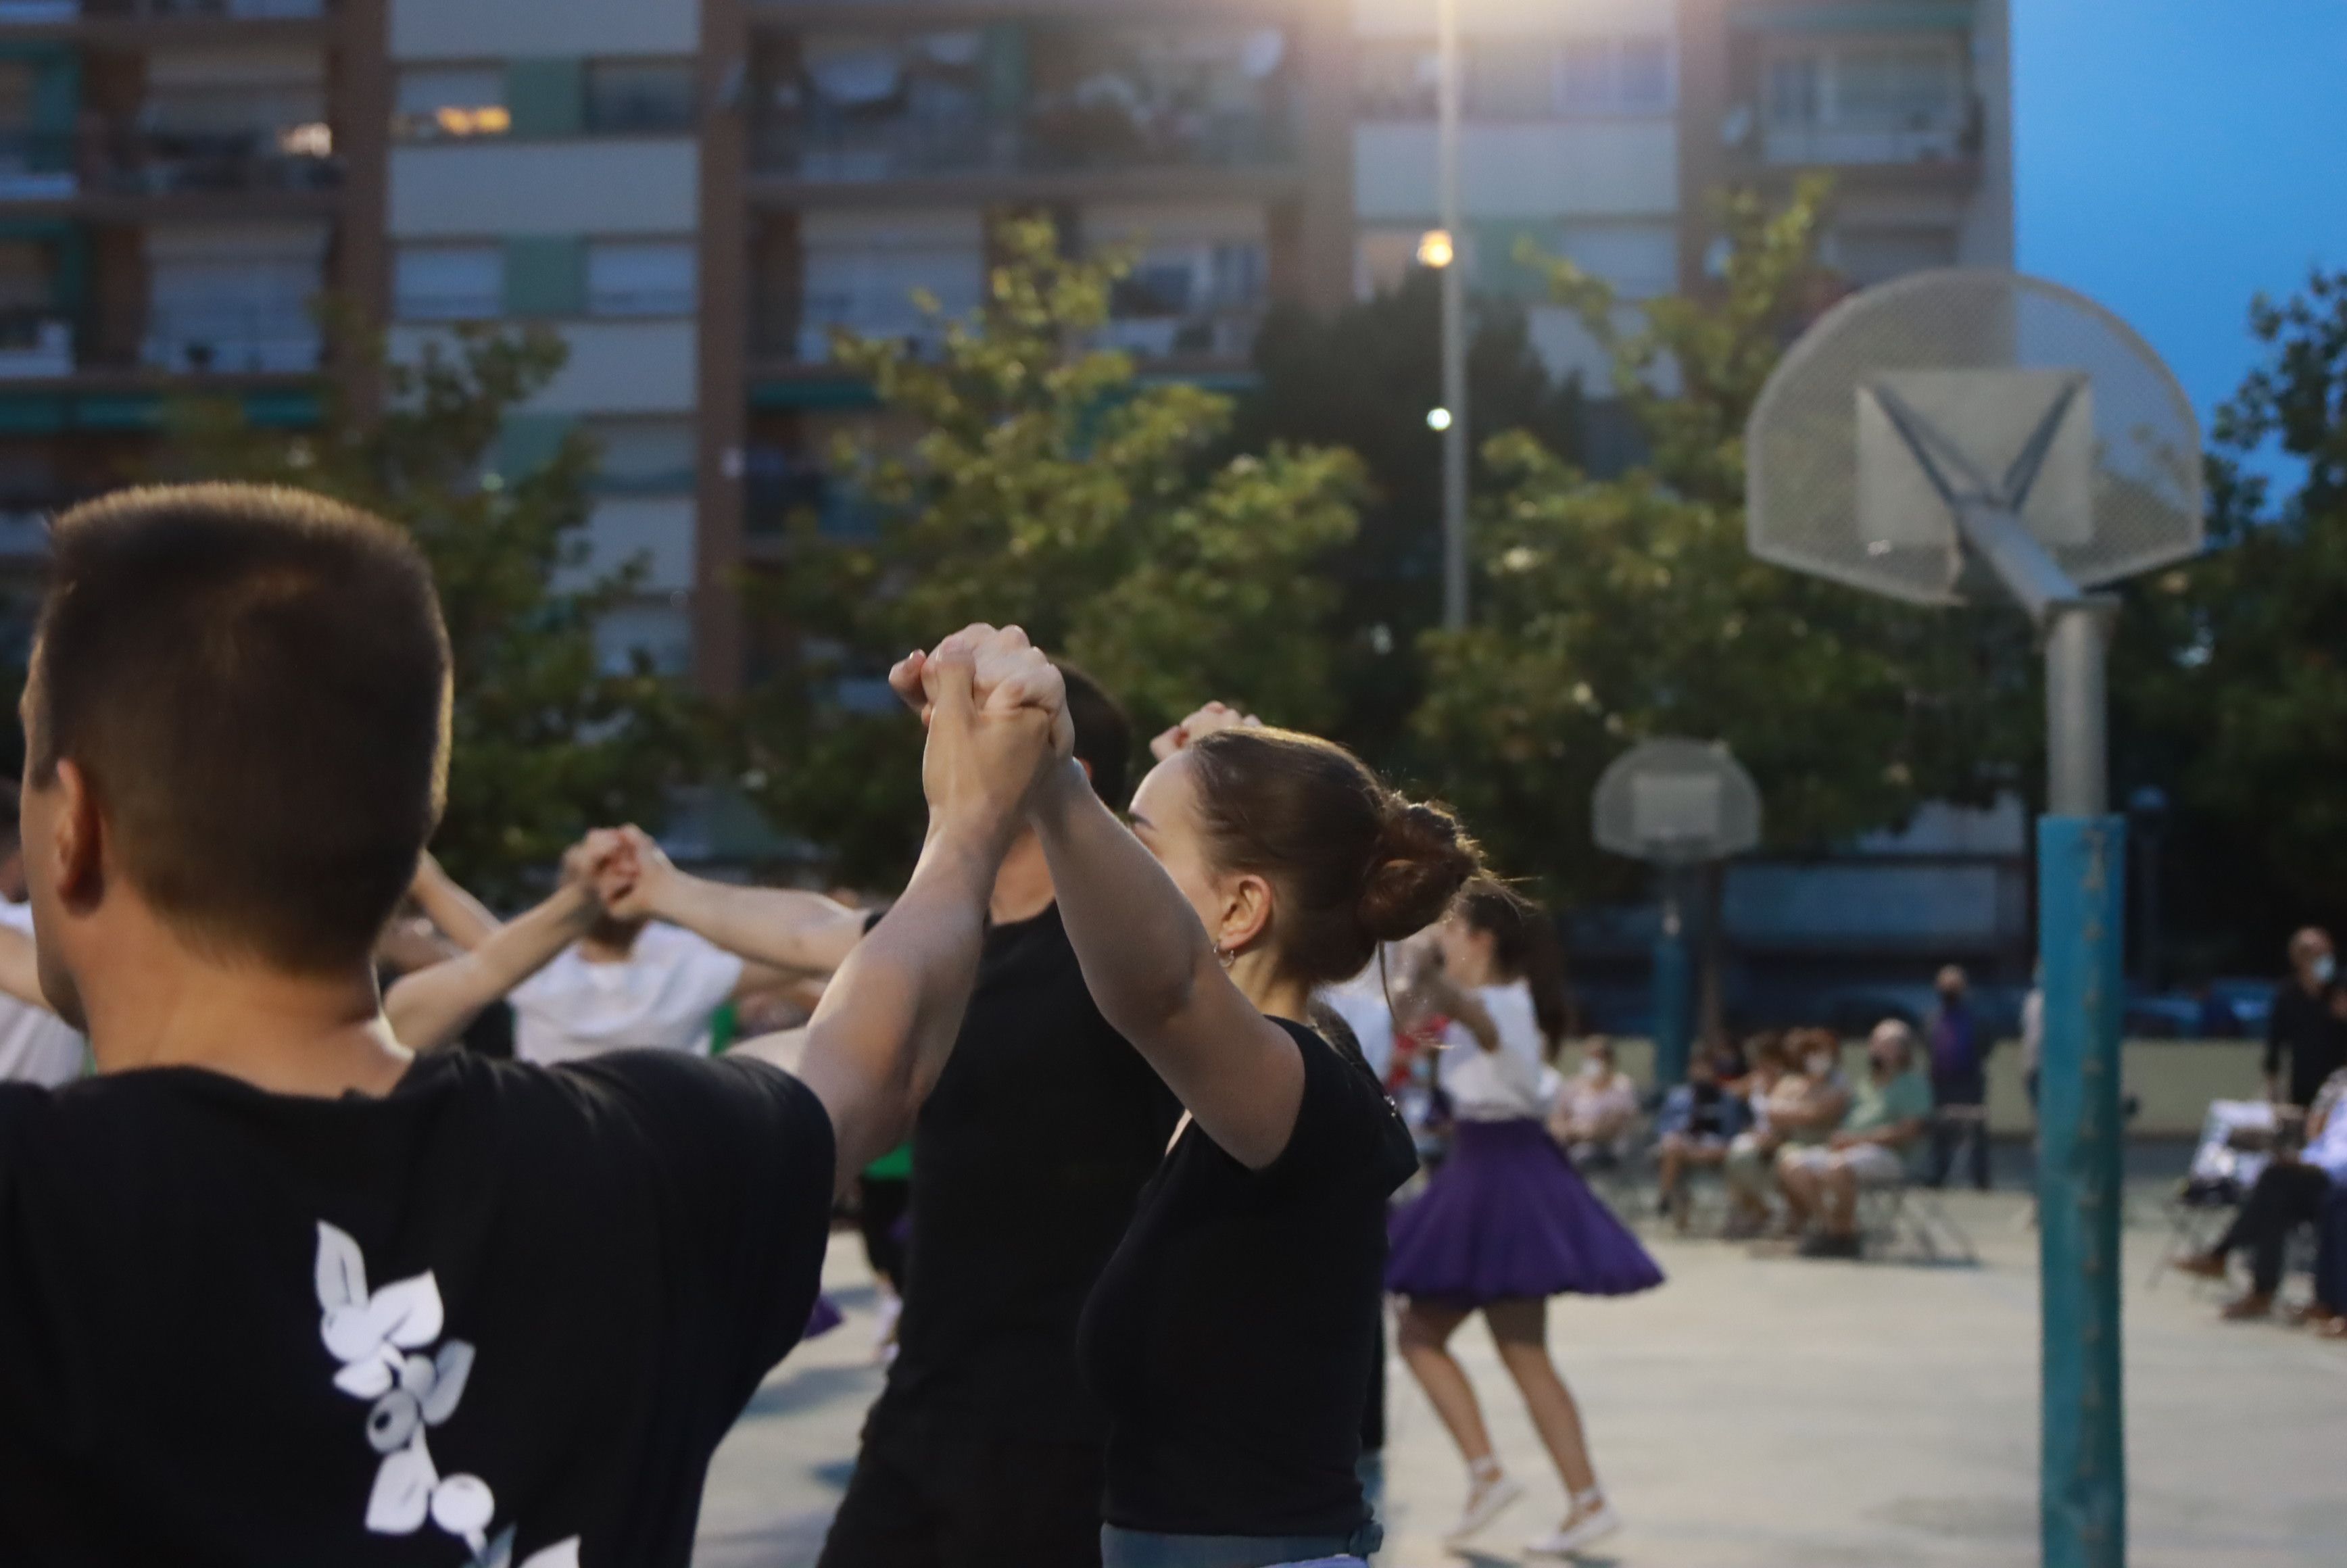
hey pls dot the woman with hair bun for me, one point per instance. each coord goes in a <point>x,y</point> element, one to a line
<point>1507,1222</point>
<point>1233,1333</point>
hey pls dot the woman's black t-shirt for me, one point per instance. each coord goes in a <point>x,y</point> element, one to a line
<point>1232,1337</point>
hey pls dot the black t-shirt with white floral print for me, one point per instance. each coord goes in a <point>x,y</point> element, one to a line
<point>498,1318</point>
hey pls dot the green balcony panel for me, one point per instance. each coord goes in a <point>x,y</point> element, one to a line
<point>528,442</point>
<point>547,96</point>
<point>546,275</point>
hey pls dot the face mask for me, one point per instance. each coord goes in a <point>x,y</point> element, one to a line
<point>2324,967</point>
<point>1820,1065</point>
<point>1592,1069</point>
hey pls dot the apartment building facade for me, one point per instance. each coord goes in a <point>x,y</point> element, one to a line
<point>694,192</point>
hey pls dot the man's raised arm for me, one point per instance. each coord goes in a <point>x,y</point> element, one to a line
<point>780,927</point>
<point>431,1007</point>
<point>462,918</point>
<point>886,1024</point>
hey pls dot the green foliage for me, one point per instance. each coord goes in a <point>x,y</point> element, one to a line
<point>1364,378</point>
<point>1049,487</point>
<point>2230,680</point>
<point>548,742</point>
<point>1609,612</point>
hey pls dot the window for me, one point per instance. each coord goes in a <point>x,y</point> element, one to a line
<point>438,101</point>
<point>640,278</point>
<point>1608,76</point>
<point>447,282</point>
<point>1506,79</point>
<point>1793,96</point>
<point>641,456</point>
<point>636,97</point>
<point>1876,255</point>
<point>233,302</point>
<point>1640,260</point>
<point>1395,80</point>
<point>861,272</point>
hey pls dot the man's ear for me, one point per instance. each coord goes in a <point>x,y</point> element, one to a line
<point>77,846</point>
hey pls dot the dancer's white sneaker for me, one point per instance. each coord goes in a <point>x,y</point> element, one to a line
<point>1583,1530</point>
<point>1489,1492</point>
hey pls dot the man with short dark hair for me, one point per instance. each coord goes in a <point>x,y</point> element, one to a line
<point>2307,1023</point>
<point>275,1290</point>
<point>986,1447</point>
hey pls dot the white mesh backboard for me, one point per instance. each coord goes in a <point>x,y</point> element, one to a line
<point>1677,801</point>
<point>1982,358</point>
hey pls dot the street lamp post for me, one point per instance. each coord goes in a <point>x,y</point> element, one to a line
<point>1454,319</point>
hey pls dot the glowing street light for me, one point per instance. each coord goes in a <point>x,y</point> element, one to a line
<point>1435,250</point>
<point>1438,419</point>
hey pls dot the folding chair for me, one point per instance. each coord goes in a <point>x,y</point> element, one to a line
<point>2235,1138</point>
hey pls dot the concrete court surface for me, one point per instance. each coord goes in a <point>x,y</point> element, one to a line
<point>1760,1411</point>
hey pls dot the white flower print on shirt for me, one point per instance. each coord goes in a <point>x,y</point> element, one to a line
<point>380,1338</point>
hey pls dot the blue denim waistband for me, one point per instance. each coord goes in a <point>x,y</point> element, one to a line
<point>1149,1549</point>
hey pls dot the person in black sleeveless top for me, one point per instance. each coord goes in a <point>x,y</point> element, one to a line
<point>1232,1335</point>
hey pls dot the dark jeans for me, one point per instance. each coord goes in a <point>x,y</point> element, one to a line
<point>1946,1132</point>
<point>2330,1252</point>
<point>2288,1196</point>
<point>926,1495</point>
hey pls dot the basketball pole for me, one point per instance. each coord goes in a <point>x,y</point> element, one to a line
<point>2081,940</point>
<point>2081,910</point>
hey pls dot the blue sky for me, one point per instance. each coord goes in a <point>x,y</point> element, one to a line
<point>2174,157</point>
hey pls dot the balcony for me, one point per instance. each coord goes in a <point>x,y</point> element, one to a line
<point>38,166</point>
<point>35,343</point>
<point>1074,142</point>
<point>278,339</point>
<point>1845,147</point>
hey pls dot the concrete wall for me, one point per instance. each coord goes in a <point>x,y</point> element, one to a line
<point>603,185</point>
<point>490,29</point>
<point>1548,168</point>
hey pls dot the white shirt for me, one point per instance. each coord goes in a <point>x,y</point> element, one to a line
<point>2032,1029</point>
<point>1361,1003</point>
<point>661,997</point>
<point>36,1046</point>
<point>1504,1085</point>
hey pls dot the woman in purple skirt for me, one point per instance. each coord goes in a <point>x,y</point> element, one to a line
<point>1507,1222</point>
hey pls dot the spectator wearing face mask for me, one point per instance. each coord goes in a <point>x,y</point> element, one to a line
<point>2305,1022</point>
<point>1598,1105</point>
<point>1874,1146</point>
<point>1958,1044</point>
<point>1802,1108</point>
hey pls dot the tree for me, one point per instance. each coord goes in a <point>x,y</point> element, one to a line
<point>1364,378</point>
<point>2230,680</point>
<point>1610,611</point>
<point>1046,486</point>
<point>549,742</point>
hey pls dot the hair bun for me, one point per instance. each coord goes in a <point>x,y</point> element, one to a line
<point>1422,858</point>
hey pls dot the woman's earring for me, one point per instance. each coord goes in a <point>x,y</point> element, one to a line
<point>1227,956</point>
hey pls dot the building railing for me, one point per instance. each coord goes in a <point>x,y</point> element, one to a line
<point>52,166</point>
<point>1836,146</point>
<point>1226,333</point>
<point>232,10</point>
<point>1074,142</point>
<point>35,342</point>
<point>270,339</point>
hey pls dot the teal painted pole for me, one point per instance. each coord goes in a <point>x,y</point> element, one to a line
<point>2082,1483</point>
<point>1673,1019</point>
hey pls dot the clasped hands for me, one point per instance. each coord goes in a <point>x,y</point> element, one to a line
<point>997,712</point>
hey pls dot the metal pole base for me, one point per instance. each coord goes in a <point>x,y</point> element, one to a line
<point>2081,899</point>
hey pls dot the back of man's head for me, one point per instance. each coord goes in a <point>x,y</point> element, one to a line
<point>1103,735</point>
<point>254,684</point>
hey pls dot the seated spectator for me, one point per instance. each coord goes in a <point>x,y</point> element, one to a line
<point>1875,1146</point>
<point>2328,1312</point>
<point>1802,1103</point>
<point>2293,1190</point>
<point>1698,1118</point>
<point>1598,1106</point>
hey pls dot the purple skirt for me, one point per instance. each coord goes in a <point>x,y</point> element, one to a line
<point>1507,1217</point>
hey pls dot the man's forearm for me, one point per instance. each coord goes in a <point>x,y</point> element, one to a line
<point>462,918</point>
<point>887,1022</point>
<point>778,927</point>
<point>429,1009</point>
